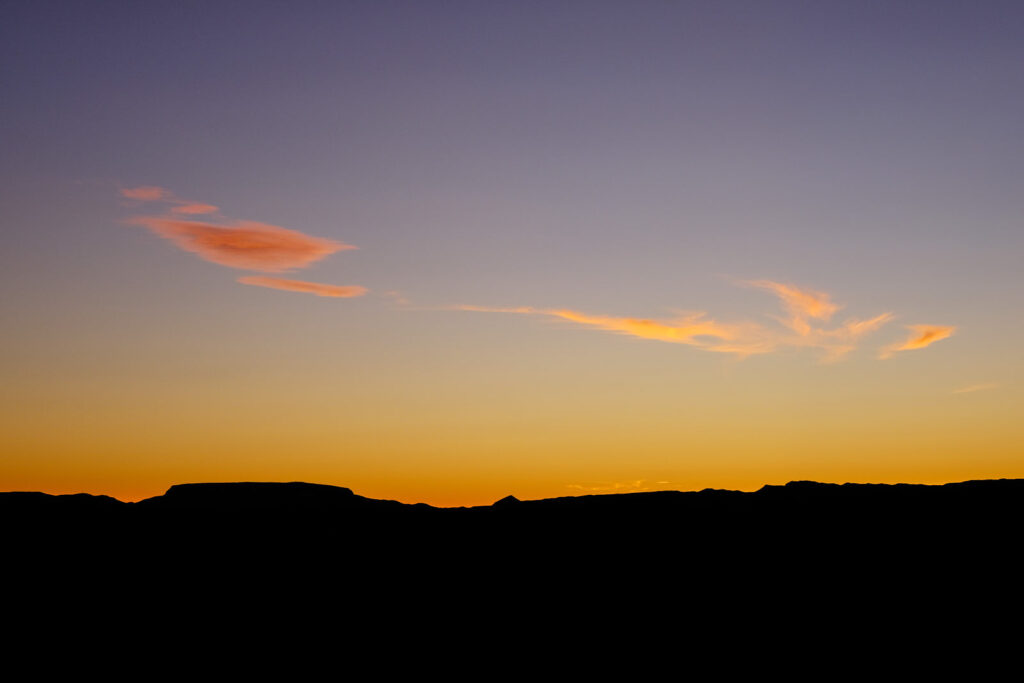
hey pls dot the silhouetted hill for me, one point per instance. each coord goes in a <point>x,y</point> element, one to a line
<point>798,508</point>
<point>828,544</point>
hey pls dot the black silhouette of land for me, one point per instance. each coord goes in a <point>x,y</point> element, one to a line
<point>800,514</point>
<point>278,550</point>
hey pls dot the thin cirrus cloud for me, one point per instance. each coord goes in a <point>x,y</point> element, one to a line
<point>246,245</point>
<point>689,329</point>
<point>801,304</point>
<point>801,327</point>
<point>921,336</point>
<point>337,291</point>
<point>976,387</point>
<point>615,486</point>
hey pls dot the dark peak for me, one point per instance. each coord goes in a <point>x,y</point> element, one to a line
<point>507,500</point>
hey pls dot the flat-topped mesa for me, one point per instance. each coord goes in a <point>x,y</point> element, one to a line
<point>256,489</point>
<point>257,496</point>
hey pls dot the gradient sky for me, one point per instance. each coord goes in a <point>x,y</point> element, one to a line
<point>445,252</point>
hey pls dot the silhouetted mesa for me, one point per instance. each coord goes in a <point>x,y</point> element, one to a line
<point>797,508</point>
<point>804,537</point>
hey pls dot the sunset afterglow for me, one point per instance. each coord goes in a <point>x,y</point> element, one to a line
<point>447,253</point>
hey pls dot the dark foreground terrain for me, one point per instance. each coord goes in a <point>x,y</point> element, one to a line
<point>847,554</point>
<point>800,515</point>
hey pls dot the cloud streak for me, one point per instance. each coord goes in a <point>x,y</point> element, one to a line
<point>976,387</point>
<point>615,486</point>
<point>152,193</point>
<point>800,328</point>
<point>922,336</point>
<point>692,329</point>
<point>335,291</point>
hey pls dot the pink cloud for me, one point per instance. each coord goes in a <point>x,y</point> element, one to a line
<point>146,193</point>
<point>245,244</point>
<point>338,291</point>
<point>196,208</point>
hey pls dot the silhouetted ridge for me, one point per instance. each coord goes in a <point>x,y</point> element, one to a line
<point>26,501</point>
<point>798,510</point>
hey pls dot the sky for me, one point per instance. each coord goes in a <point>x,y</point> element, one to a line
<point>447,252</point>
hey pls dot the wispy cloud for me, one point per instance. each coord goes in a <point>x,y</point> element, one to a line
<point>801,304</point>
<point>804,306</point>
<point>246,245</point>
<point>922,336</point>
<point>976,387</point>
<point>634,486</point>
<point>801,327</point>
<point>152,193</point>
<point>396,297</point>
<point>742,338</point>
<point>337,291</point>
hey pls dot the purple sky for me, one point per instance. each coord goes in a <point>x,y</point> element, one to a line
<point>616,158</point>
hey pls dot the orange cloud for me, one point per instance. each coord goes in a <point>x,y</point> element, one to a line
<point>246,244</point>
<point>837,342</point>
<point>684,330</point>
<point>805,303</point>
<point>801,304</point>
<point>196,208</point>
<point>743,338</point>
<point>923,335</point>
<point>146,193</point>
<point>338,291</point>
<point>692,329</point>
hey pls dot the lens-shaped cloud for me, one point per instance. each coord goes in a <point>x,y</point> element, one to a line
<point>246,245</point>
<point>336,291</point>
